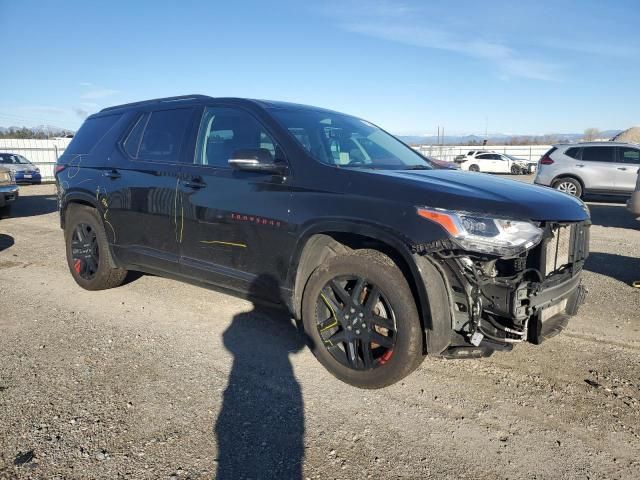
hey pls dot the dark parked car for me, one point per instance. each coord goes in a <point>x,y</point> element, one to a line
<point>8,191</point>
<point>23,170</point>
<point>383,258</point>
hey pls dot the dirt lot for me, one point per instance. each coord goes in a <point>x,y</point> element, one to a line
<point>160,379</point>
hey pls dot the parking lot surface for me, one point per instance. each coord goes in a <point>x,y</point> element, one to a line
<point>161,379</point>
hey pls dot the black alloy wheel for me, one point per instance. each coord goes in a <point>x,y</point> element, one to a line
<point>356,322</point>
<point>85,251</point>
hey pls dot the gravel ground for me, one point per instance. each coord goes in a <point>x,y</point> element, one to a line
<point>161,379</point>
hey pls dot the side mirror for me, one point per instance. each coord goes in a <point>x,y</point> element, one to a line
<point>256,160</point>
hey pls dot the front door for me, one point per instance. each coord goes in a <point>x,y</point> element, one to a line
<point>627,168</point>
<point>233,220</point>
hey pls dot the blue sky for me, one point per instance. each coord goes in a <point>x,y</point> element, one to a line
<point>520,67</point>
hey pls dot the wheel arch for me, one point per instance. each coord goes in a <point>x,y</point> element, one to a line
<point>568,175</point>
<point>76,198</point>
<point>326,240</point>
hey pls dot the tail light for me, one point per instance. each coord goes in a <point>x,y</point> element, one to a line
<point>59,168</point>
<point>546,160</point>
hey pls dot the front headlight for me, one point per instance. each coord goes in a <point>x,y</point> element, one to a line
<point>484,234</point>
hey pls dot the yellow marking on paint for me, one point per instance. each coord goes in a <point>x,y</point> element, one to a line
<point>333,314</point>
<point>218,242</point>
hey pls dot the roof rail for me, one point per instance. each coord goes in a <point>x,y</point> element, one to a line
<point>157,100</point>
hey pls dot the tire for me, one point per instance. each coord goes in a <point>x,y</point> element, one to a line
<point>568,185</point>
<point>326,322</point>
<point>474,168</point>
<point>5,212</point>
<point>516,170</point>
<point>97,272</point>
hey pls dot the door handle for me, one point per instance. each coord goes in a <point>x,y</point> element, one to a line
<point>195,183</point>
<point>622,168</point>
<point>111,174</point>
<point>580,165</point>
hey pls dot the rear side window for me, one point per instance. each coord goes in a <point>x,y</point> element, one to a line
<point>598,154</point>
<point>90,133</point>
<point>132,143</point>
<point>573,152</point>
<point>629,155</point>
<point>163,135</point>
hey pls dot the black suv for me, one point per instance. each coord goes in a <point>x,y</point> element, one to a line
<point>383,256</point>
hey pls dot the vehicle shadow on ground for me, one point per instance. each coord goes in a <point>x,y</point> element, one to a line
<point>32,205</point>
<point>620,267</point>
<point>260,428</point>
<point>6,241</point>
<point>616,216</point>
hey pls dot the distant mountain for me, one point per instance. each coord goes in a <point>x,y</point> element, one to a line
<point>500,138</point>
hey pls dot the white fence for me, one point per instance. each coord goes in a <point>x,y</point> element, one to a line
<point>445,152</point>
<point>43,153</point>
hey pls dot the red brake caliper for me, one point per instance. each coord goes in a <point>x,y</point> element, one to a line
<point>385,357</point>
<point>76,266</point>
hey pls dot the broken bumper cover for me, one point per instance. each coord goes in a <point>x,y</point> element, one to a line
<point>8,194</point>
<point>552,307</point>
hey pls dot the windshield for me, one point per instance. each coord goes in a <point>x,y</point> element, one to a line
<point>12,159</point>
<point>344,141</point>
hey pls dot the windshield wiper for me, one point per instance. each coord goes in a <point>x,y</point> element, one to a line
<point>418,167</point>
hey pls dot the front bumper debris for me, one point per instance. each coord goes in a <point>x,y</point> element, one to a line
<point>498,302</point>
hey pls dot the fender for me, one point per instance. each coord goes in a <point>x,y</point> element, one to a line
<point>85,197</point>
<point>396,241</point>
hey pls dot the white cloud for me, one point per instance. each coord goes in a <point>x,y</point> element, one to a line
<point>508,61</point>
<point>401,23</point>
<point>98,93</point>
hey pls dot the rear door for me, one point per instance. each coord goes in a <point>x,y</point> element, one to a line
<point>141,188</point>
<point>485,161</point>
<point>627,166</point>
<point>598,168</point>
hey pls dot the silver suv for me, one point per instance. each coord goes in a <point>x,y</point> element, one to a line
<point>608,168</point>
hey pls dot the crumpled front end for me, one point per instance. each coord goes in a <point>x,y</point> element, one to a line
<point>496,302</point>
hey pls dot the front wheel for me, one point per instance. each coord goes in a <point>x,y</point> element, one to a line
<point>361,318</point>
<point>515,170</point>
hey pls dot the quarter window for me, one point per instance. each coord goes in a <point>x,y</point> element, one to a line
<point>90,133</point>
<point>163,135</point>
<point>572,152</point>
<point>629,155</point>
<point>224,130</point>
<point>598,154</point>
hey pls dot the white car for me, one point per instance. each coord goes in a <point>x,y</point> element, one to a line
<point>491,162</point>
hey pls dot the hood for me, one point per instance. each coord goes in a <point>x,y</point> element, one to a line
<point>484,193</point>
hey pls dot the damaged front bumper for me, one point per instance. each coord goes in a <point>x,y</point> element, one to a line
<point>495,303</point>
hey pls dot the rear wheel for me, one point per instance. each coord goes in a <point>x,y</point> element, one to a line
<point>360,316</point>
<point>568,185</point>
<point>88,251</point>
<point>474,168</point>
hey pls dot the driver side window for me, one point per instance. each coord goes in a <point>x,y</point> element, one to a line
<point>224,130</point>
